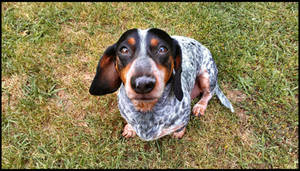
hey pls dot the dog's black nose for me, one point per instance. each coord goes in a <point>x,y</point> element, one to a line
<point>143,84</point>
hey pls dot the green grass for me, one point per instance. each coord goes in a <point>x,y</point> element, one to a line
<point>50,52</point>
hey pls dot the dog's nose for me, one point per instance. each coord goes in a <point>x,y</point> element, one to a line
<point>143,84</point>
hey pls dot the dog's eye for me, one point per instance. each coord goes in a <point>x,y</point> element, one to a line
<point>162,49</point>
<point>124,51</point>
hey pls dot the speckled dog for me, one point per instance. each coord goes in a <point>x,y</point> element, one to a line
<point>158,76</point>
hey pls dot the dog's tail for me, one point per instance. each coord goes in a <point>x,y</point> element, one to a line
<point>223,98</point>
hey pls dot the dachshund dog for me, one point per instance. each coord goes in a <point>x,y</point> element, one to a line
<point>157,76</point>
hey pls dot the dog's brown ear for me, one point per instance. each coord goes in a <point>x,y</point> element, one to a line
<point>107,79</point>
<point>177,66</point>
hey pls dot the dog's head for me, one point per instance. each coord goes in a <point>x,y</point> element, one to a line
<point>145,61</point>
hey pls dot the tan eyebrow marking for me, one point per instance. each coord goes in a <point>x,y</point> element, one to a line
<point>154,42</point>
<point>131,41</point>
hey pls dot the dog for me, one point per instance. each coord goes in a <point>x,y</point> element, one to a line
<point>157,76</point>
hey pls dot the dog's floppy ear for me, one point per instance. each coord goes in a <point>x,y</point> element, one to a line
<point>177,66</point>
<point>107,79</point>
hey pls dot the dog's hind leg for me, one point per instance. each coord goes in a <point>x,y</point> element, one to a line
<point>202,85</point>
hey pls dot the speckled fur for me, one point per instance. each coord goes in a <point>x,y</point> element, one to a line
<point>170,113</point>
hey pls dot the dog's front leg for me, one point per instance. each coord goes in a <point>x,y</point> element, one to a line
<point>128,131</point>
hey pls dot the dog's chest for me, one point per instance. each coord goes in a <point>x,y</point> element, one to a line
<point>167,115</point>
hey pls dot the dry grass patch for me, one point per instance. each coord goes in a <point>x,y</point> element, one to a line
<point>12,90</point>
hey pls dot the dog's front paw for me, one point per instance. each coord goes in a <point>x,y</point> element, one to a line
<point>199,108</point>
<point>128,131</point>
<point>179,134</point>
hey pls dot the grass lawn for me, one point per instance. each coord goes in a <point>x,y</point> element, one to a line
<point>49,56</point>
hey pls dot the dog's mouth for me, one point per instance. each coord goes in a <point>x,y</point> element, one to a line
<point>145,99</point>
<point>144,104</point>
